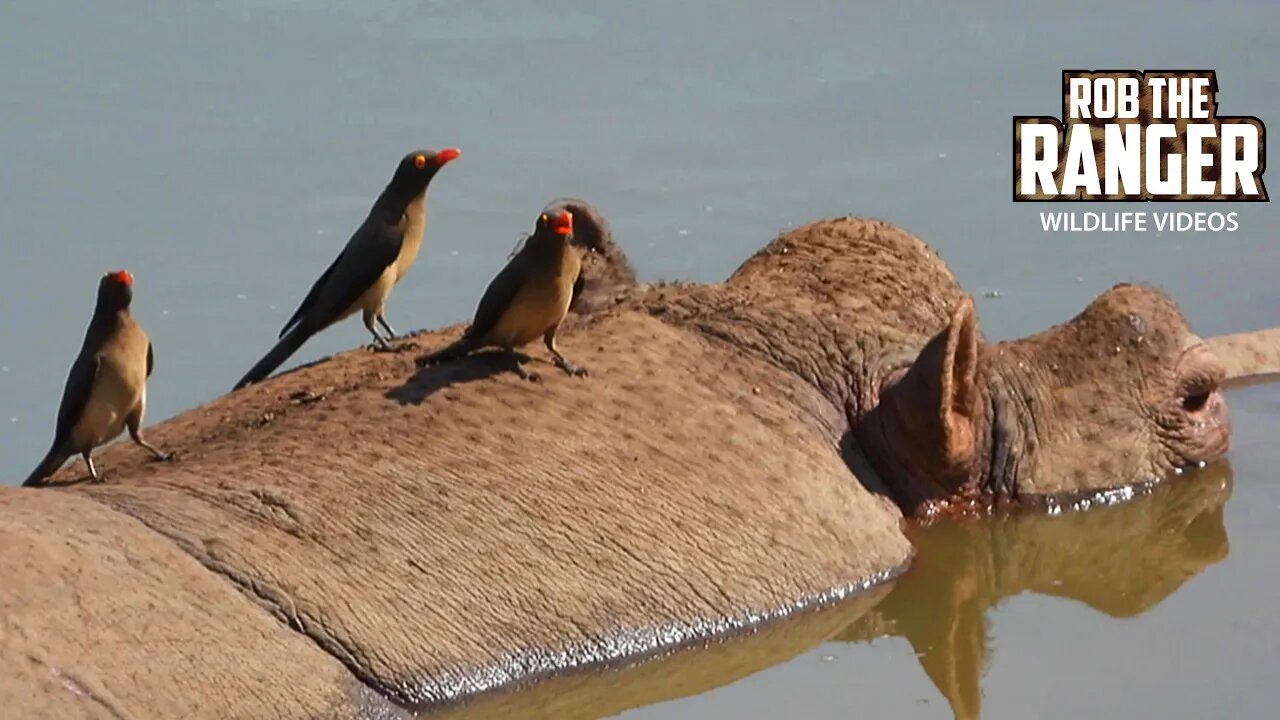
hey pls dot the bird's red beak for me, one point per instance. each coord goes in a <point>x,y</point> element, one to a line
<point>447,155</point>
<point>122,277</point>
<point>562,224</point>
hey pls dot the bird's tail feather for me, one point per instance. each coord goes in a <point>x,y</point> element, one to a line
<point>51,462</point>
<point>287,346</point>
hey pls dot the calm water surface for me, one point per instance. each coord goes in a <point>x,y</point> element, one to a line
<point>223,153</point>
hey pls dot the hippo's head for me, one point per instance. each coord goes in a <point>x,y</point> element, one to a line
<point>1122,394</point>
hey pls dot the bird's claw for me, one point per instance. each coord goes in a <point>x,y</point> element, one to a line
<point>525,373</point>
<point>571,369</point>
<point>396,348</point>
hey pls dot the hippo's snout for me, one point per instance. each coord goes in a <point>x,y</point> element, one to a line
<point>1211,427</point>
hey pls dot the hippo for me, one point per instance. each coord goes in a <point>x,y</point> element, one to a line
<point>362,538</point>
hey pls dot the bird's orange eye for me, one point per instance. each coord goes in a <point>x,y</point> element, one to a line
<point>420,161</point>
<point>544,217</point>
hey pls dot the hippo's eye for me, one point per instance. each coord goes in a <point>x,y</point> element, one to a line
<point>1137,324</point>
<point>420,161</point>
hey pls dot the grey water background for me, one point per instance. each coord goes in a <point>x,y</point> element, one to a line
<point>224,152</point>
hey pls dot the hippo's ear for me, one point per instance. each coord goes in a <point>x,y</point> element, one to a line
<point>939,395</point>
<point>958,401</point>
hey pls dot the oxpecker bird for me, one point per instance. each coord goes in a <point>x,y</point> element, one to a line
<point>377,256</point>
<point>528,299</point>
<point>106,390</point>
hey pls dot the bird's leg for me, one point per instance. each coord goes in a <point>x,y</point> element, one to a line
<point>391,333</point>
<point>550,340</point>
<point>518,359</point>
<point>93,471</point>
<point>133,422</point>
<point>379,344</point>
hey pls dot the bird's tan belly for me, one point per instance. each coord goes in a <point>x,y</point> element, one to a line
<point>373,300</point>
<point>534,311</point>
<point>115,396</point>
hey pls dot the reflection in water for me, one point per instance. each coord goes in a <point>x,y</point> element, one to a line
<point>1121,560</point>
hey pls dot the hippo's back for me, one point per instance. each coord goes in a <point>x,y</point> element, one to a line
<point>888,277</point>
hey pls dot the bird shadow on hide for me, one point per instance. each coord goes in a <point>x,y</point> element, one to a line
<point>476,366</point>
<point>402,343</point>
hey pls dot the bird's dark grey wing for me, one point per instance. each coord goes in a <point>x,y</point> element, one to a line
<point>75,394</point>
<point>313,293</point>
<point>499,295</point>
<point>151,359</point>
<point>372,248</point>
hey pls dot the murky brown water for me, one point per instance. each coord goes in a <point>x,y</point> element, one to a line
<point>223,153</point>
